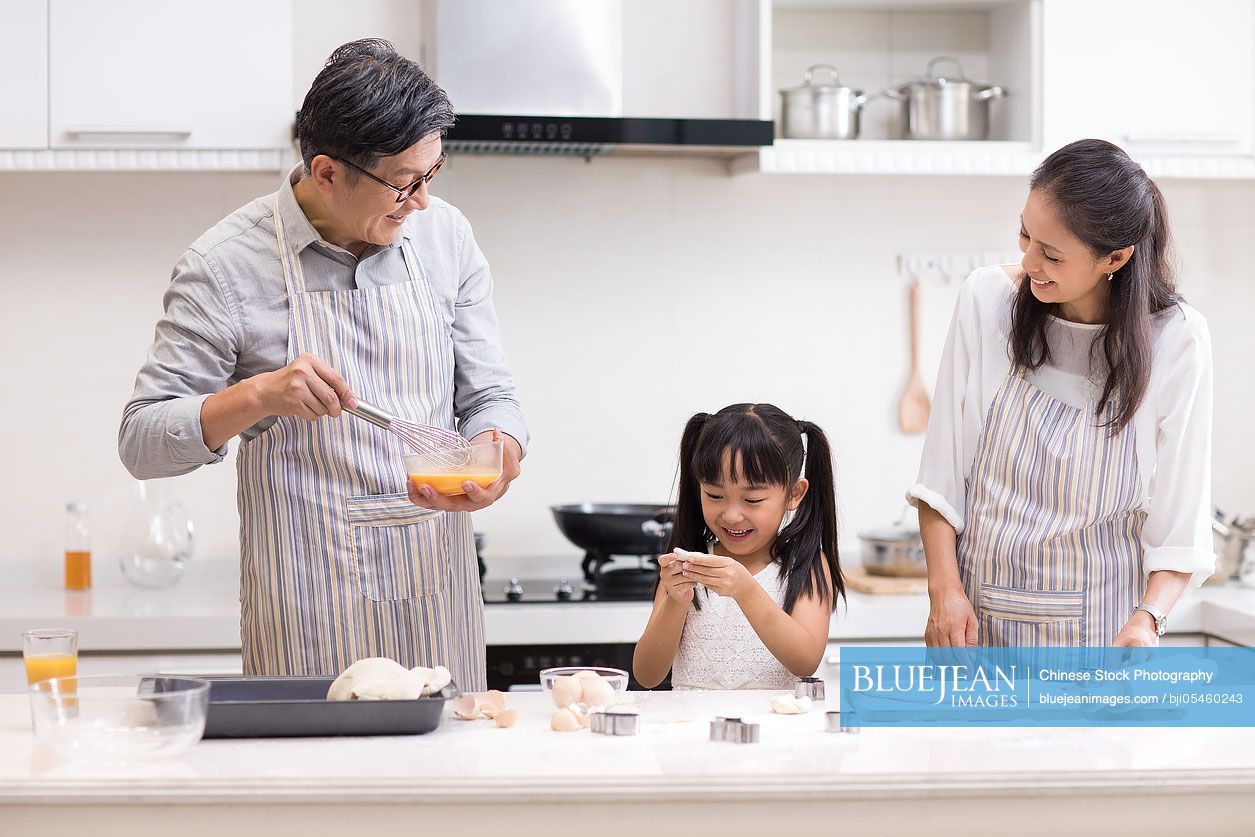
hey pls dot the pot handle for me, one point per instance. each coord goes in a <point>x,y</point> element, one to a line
<point>810,71</point>
<point>989,93</point>
<point>657,529</point>
<point>897,94</point>
<point>944,59</point>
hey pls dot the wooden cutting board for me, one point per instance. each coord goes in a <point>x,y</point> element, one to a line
<point>857,578</point>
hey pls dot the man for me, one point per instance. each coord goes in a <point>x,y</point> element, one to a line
<point>350,280</point>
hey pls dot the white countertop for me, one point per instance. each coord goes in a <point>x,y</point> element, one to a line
<point>672,760</point>
<point>201,613</point>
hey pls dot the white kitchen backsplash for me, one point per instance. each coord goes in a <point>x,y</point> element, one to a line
<point>632,293</point>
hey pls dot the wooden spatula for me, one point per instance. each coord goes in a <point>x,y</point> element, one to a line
<point>914,407</point>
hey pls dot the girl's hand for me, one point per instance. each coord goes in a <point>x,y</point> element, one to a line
<point>725,576</point>
<point>671,577</point>
<point>951,620</point>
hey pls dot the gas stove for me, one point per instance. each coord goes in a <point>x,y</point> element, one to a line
<point>637,585</point>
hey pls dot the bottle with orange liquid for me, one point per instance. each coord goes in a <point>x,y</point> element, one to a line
<point>78,548</point>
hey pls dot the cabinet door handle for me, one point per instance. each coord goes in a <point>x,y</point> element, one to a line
<point>833,660</point>
<point>1183,138</point>
<point>135,131</point>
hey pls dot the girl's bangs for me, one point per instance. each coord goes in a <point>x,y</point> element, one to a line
<point>756,458</point>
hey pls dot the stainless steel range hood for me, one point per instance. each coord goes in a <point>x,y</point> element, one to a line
<point>592,77</point>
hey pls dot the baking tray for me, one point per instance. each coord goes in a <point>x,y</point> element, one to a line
<point>283,707</point>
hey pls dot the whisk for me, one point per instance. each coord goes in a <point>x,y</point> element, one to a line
<point>446,448</point>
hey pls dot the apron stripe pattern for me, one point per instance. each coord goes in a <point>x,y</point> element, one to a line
<point>337,563</point>
<point>1052,552</point>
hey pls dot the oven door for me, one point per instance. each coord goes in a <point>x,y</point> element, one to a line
<point>518,667</point>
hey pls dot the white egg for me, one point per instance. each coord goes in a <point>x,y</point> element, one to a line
<point>583,674</point>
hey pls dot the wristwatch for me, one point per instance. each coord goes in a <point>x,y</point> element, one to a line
<point>1161,618</point>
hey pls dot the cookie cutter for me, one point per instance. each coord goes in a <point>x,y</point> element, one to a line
<point>615,723</point>
<point>733,729</point>
<point>833,722</point>
<point>811,687</point>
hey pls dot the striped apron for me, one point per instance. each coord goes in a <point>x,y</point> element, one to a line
<point>336,563</point>
<point>1051,554</point>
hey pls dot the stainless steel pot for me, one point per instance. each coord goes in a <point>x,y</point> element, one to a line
<point>894,550</point>
<point>821,111</point>
<point>1235,547</point>
<point>945,107</point>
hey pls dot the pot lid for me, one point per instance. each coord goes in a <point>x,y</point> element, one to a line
<point>896,532</point>
<point>931,76</point>
<point>812,79</point>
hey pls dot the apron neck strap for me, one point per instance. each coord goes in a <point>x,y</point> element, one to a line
<point>293,275</point>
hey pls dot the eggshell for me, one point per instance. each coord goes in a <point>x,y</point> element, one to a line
<point>507,718</point>
<point>597,692</point>
<point>565,691</point>
<point>466,707</point>
<point>492,703</point>
<point>564,720</point>
<point>586,673</point>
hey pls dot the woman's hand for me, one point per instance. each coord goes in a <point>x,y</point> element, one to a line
<point>1136,633</point>
<point>725,576</point>
<point>671,577</point>
<point>951,619</point>
<point>476,497</point>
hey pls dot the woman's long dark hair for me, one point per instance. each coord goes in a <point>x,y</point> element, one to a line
<point>766,449</point>
<point>1107,201</point>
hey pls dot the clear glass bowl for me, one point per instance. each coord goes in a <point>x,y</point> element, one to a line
<point>616,678</point>
<point>445,471</point>
<point>120,719</point>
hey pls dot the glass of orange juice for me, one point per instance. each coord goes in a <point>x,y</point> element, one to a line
<point>48,653</point>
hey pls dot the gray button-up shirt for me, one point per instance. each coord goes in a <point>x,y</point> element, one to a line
<point>226,319</point>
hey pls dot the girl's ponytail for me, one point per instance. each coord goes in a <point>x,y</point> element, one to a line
<point>813,531</point>
<point>688,527</point>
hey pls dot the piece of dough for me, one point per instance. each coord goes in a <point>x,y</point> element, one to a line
<point>790,705</point>
<point>376,678</point>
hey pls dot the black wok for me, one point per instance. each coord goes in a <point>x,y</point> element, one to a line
<point>606,529</point>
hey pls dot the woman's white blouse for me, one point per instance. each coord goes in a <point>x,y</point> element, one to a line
<point>1172,426</point>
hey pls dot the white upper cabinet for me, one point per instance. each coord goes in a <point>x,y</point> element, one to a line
<point>24,74</point>
<point>1159,77</point>
<point>156,74</point>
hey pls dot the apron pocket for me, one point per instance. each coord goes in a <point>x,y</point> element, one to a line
<point>1013,617</point>
<point>400,551</point>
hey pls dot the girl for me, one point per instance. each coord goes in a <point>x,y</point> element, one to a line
<point>753,612</point>
<point>1064,486</point>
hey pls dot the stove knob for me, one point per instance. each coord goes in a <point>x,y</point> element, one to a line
<point>564,590</point>
<point>514,590</point>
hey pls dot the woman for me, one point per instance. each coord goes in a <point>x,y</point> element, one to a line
<point>1064,488</point>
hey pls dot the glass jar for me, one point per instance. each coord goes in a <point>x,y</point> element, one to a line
<point>158,540</point>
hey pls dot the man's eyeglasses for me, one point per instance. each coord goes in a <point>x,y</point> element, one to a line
<point>403,194</point>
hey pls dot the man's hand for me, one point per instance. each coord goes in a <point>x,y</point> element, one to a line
<point>476,497</point>
<point>306,388</point>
